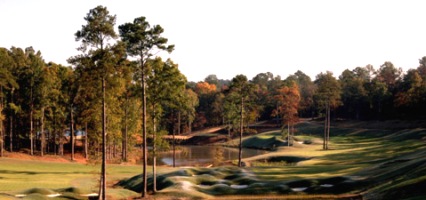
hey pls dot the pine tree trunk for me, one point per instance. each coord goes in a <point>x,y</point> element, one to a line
<point>124,141</point>
<point>11,124</point>
<point>144,136</point>
<point>72,132</point>
<point>325,130</point>
<point>104,140</point>
<point>61,145</point>
<point>1,125</point>
<point>11,134</point>
<point>174,149</point>
<point>54,136</point>
<point>114,149</point>
<point>154,154</point>
<point>31,122</point>
<point>1,138</point>
<point>86,143</point>
<point>43,136</point>
<point>240,152</point>
<point>328,126</point>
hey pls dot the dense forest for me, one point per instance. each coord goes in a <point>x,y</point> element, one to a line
<point>42,102</point>
<point>37,96</point>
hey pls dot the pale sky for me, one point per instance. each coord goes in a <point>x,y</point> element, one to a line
<point>231,37</point>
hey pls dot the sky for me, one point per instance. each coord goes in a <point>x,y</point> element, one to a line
<point>231,37</point>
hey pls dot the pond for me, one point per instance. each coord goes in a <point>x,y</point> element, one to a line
<point>204,155</point>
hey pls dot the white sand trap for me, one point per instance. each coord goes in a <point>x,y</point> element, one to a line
<point>20,195</point>
<point>186,185</point>
<point>54,195</point>
<point>300,189</point>
<point>89,195</point>
<point>239,186</point>
<point>326,185</point>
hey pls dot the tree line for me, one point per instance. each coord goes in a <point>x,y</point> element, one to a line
<point>117,94</point>
<point>364,93</point>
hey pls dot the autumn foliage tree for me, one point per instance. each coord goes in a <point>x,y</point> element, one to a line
<point>288,100</point>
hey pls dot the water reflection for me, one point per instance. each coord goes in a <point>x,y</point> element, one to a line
<point>204,155</point>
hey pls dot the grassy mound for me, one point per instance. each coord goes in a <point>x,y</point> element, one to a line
<point>74,190</point>
<point>42,191</point>
<point>264,142</point>
<point>400,178</point>
<point>223,181</point>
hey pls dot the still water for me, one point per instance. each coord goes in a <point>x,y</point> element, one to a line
<point>203,155</point>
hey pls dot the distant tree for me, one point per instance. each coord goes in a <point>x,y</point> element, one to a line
<point>205,116</point>
<point>166,84</point>
<point>129,103</point>
<point>212,79</point>
<point>32,74</point>
<point>7,82</point>
<point>218,107</point>
<point>288,99</point>
<point>143,41</point>
<point>409,95</point>
<point>205,88</point>
<point>187,102</point>
<point>17,99</point>
<point>328,98</point>
<point>238,96</point>
<point>389,74</point>
<point>60,103</point>
<point>186,105</point>
<point>307,91</point>
<point>264,104</point>
<point>46,93</point>
<point>421,69</point>
<point>354,93</point>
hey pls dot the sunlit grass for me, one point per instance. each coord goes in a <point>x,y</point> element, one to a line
<point>17,176</point>
<point>365,154</point>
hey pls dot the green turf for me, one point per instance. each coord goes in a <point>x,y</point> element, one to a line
<point>35,178</point>
<point>376,161</point>
<point>379,164</point>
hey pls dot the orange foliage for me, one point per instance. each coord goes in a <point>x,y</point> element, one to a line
<point>205,88</point>
<point>288,99</point>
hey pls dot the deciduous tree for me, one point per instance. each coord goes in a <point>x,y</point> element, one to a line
<point>328,98</point>
<point>288,99</point>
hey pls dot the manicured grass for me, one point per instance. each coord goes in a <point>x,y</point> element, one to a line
<point>380,163</point>
<point>20,176</point>
<point>375,161</point>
